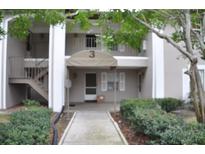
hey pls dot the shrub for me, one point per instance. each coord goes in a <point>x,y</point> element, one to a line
<point>163,128</point>
<point>187,134</point>
<point>29,102</point>
<point>169,104</point>
<point>153,122</point>
<point>27,127</point>
<point>128,106</point>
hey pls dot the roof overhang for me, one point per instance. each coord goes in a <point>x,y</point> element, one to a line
<point>91,58</point>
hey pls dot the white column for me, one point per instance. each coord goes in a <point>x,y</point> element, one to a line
<point>1,72</point>
<point>56,66</point>
<point>67,88</point>
<point>3,64</point>
<point>158,67</point>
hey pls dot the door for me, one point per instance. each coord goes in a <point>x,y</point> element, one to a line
<point>90,86</point>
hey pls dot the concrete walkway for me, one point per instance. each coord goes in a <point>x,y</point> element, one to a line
<point>94,128</point>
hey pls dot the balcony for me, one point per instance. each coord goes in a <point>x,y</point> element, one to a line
<point>80,42</point>
<point>20,67</point>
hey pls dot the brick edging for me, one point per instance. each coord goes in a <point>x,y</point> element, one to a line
<point>118,129</point>
<point>67,129</point>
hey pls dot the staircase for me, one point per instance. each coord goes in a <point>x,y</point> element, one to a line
<point>30,72</point>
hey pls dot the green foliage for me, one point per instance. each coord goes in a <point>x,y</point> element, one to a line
<point>128,106</point>
<point>82,18</point>
<point>129,32</point>
<point>19,28</point>
<point>2,33</point>
<point>21,25</point>
<point>50,17</point>
<point>27,127</point>
<point>160,126</point>
<point>169,104</point>
<point>29,102</point>
<point>187,134</point>
<point>153,122</point>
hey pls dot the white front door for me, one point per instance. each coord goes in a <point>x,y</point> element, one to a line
<point>90,86</point>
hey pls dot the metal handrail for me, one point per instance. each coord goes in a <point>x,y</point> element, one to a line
<point>38,64</point>
<point>18,69</point>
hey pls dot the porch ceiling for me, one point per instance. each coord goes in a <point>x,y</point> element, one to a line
<point>89,58</point>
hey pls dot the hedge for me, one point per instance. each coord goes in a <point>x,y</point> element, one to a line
<point>169,104</point>
<point>160,126</point>
<point>30,127</point>
<point>186,135</point>
<point>127,106</point>
<point>166,104</point>
<point>153,122</point>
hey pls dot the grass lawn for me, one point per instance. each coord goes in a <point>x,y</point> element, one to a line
<point>4,118</point>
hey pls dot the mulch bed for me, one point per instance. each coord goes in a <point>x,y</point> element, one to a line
<point>131,136</point>
<point>62,124</point>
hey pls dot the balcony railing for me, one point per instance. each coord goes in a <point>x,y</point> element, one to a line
<point>26,68</point>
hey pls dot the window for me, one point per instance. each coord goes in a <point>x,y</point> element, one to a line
<point>122,81</point>
<point>103,81</point>
<point>91,41</point>
<point>108,81</point>
<point>111,82</point>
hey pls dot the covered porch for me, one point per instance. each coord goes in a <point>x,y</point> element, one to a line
<point>102,75</point>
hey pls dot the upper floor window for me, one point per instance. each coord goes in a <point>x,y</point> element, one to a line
<point>91,41</point>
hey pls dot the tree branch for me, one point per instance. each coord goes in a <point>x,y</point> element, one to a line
<point>167,38</point>
<point>187,30</point>
<point>199,38</point>
<point>70,15</point>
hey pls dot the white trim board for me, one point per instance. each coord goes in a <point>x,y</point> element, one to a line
<point>157,67</point>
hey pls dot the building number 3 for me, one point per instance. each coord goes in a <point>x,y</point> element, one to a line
<point>92,54</point>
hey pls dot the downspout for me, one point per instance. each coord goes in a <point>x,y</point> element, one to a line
<point>55,130</point>
<point>115,89</point>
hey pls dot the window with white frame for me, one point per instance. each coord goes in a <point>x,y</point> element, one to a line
<point>91,41</point>
<point>201,73</point>
<point>103,81</point>
<point>110,80</point>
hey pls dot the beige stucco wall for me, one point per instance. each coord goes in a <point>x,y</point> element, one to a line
<point>147,73</point>
<point>173,66</point>
<point>14,93</point>
<point>78,85</point>
<point>39,45</point>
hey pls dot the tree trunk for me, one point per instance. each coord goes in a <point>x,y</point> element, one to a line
<point>197,92</point>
